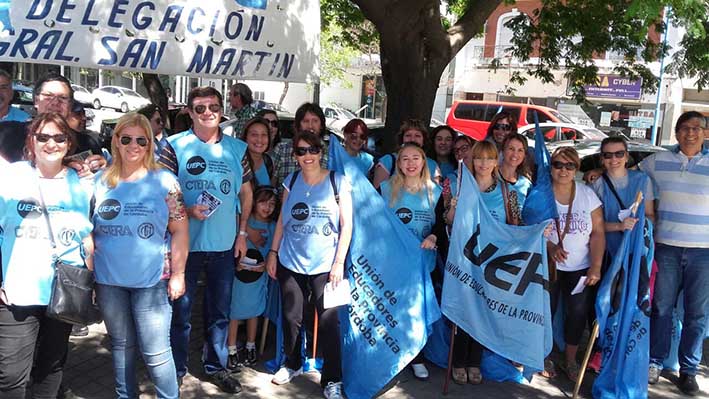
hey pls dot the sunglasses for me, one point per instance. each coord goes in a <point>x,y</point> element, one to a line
<point>563,165</point>
<point>502,126</point>
<point>214,108</point>
<point>58,137</point>
<point>300,151</point>
<point>462,148</point>
<point>610,155</point>
<point>141,141</point>
<point>357,136</point>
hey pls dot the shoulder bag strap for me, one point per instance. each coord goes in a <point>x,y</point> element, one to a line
<point>45,213</point>
<point>567,219</point>
<point>615,193</point>
<point>505,198</point>
<point>333,183</point>
<point>292,181</point>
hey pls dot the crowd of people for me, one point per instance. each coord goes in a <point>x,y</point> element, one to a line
<point>159,210</point>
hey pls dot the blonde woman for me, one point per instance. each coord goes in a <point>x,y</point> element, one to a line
<point>412,195</point>
<point>137,204</point>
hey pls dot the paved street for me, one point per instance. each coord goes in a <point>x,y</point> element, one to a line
<point>89,374</point>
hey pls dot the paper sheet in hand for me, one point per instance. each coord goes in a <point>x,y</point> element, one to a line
<point>80,157</point>
<point>250,263</point>
<point>212,202</point>
<point>337,296</point>
<point>579,286</point>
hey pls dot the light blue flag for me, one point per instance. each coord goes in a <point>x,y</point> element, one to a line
<point>623,314</point>
<point>393,304</point>
<point>540,202</point>
<point>496,284</point>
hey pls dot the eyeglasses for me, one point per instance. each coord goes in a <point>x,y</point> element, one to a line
<point>141,141</point>
<point>462,148</point>
<point>273,123</point>
<point>54,97</point>
<point>214,108</point>
<point>357,136</point>
<point>57,137</point>
<point>690,129</point>
<point>502,126</point>
<point>563,165</point>
<point>616,154</point>
<point>300,151</point>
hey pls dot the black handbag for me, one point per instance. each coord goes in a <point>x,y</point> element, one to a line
<point>72,296</point>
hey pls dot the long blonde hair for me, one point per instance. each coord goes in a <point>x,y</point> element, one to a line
<point>397,181</point>
<point>112,175</point>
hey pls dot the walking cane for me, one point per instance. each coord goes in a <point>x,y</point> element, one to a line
<point>450,360</point>
<point>315,335</point>
<point>586,357</point>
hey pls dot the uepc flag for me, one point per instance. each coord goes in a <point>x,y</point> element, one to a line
<point>539,203</point>
<point>393,303</point>
<point>496,284</point>
<point>623,314</point>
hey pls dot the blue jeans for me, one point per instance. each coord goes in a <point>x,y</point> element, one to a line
<point>219,267</point>
<point>678,269</point>
<point>139,318</point>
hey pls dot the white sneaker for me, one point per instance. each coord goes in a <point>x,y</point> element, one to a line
<point>420,371</point>
<point>333,390</point>
<point>284,375</point>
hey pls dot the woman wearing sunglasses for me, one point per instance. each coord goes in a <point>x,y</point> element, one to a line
<point>502,125</point>
<point>137,204</point>
<point>157,125</point>
<point>576,246</point>
<point>309,248</point>
<point>28,189</point>
<point>356,134</point>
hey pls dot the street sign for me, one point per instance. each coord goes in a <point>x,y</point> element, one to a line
<point>229,39</point>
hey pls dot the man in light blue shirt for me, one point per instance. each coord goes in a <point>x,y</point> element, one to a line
<point>681,178</point>
<point>8,112</point>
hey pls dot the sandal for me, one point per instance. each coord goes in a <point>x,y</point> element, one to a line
<point>474,376</point>
<point>571,370</point>
<point>549,369</point>
<point>460,376</point>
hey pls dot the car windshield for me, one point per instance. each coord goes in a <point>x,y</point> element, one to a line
<point>348,114</point>
<point>25,96</point>
<point>594,134</point>
<point>131,93</point>
<point>562,117</point>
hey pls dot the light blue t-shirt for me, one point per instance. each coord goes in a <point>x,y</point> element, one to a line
<point>387,161</point>
<point>268,228</point>
<point>15,114</point>
<point>215,168</point>
<point>261,176</point>
<point>522,187</point>
<point>311,224</point>
<point>447,168</point>
<point>130,224</point>
<point>364,161</point>
<point>416,211</point>
<point>495,204</point>
<point>26,248</point>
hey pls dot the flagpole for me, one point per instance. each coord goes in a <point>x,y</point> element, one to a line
<point>450,359</point>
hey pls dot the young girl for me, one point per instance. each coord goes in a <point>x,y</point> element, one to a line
<point>414,197</point>
<point>248,296</point>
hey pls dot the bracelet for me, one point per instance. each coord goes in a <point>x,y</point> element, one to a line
<point>243,233</point>
<point>273,251</point>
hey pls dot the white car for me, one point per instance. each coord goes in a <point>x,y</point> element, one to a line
<point>118,98</point>
<point>82,95</point>
<point>337,117</point>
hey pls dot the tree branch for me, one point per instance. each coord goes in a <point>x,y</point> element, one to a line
<point>470,23</point>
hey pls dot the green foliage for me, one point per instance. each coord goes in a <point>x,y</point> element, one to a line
<point>335,57</point>
<point>569,34</point>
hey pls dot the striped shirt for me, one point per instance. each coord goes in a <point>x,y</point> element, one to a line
<point>682,187</point>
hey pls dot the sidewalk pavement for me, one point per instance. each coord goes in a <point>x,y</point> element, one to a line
<point>89,374</point>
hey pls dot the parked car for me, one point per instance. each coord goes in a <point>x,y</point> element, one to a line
<point>118,98</point>
<point>586,140</point>
<point>82,95</point>
<point>473,117</point>
<point>336,117</point>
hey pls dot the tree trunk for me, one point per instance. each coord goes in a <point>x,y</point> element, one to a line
<point>157,94</point>
<point>283,93</point>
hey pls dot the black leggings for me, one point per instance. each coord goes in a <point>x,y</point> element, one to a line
<point>577,308</point>
<point>27,333</point>
<point>296,288</point>
<point>467,352</point>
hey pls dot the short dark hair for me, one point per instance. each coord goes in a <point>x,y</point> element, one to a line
<point>309,137</point>
<point>413,124</point>
<point>313,109</point>
<point>41,120</point>
<point>149,110</point>
<point>5,74</point>
<point>257,121</point>
<point>53,77</point>
<point>614,140</point>
<point>690,115</point>
<point>353,124</point>
<point>244,92</point>
<point>263,112</point>
<point>204,91</point>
